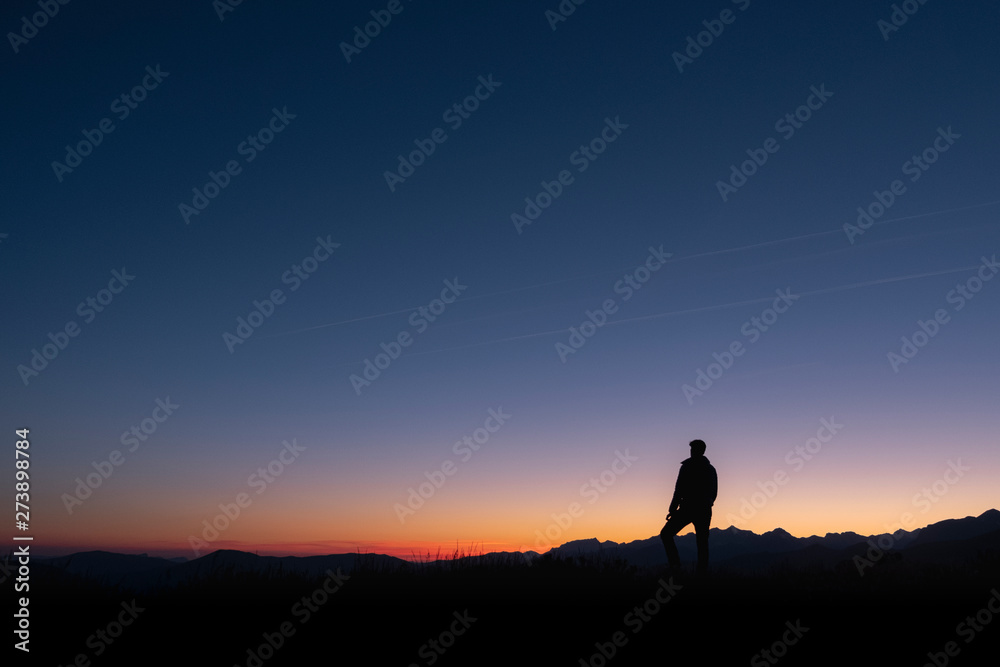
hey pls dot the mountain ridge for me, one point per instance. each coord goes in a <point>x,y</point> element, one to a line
<point>950,541</point>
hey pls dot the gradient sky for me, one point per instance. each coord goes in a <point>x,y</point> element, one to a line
<point>495,347</point>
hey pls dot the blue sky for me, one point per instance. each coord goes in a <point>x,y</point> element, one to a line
<point>321,181</point>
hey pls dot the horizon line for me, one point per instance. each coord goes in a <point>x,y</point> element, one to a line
<point>417,555</point>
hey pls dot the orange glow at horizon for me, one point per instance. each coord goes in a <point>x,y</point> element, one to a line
<point>504,503</point>
<point>281,542</point>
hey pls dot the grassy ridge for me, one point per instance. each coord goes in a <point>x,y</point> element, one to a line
<point>552,611</point>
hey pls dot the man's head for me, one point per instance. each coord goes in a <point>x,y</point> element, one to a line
<point>697,448</point>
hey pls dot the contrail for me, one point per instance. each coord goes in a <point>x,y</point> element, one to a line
<point>653,316</point>
<point>841,231</point>
<point>629,268</point>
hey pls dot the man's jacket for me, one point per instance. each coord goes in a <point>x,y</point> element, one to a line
<point>697,484</point>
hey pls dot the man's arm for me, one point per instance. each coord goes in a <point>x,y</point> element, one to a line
<point>678,494</point>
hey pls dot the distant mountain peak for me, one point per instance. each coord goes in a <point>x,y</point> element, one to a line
<point>587,544</point>
<point>779,532</point>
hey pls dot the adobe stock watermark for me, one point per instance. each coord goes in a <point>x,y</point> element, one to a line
<point>915,167</point>
<point>419,320</point>
<point>464,448</point>
<point>562,12</point>
<point>753,328</point>
<point>629,284</point>
<point>302,610</point>
<point>381,18</point>
<point>132,439</point>
<point>88,310</point>
<point>122,106</point>
<point>796,459</point>
<point>714,28</point>
<point>581,158</point>
<point>592,490</point>
<point>223,7</point>
<point>924,500</point>
<point>38,20</point>
<point>249,148</point>
<point>230,512</point>
<point>294,276</point>
<point>454,115</point>
<point>787,125</point>
<point>900,14</point>
<point>779,649</point>
<point>967,629</point>
<point>635,620</point>
<point>433,649</point>
<point>927,329</point>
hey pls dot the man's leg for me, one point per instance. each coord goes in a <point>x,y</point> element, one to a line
<point>702,522</point>
<point>672,527</point>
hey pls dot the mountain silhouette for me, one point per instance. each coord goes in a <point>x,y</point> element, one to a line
<point>142,572</point>
<point>738,549</point>
<point>948,542</point>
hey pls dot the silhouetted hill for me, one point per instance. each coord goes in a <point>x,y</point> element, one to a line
<point>570,601</point>
<point>844,540</point>
<point>111,569</point>
<point>950,542</point>
<point>956,552</point>
<point>141,572</point>
<point>743,549</point>
<point>959,529</point>
<point>810,557</point>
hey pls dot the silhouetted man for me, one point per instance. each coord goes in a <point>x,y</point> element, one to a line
<point>694,494</point>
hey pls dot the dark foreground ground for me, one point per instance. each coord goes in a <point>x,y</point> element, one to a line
<point>506,612</point>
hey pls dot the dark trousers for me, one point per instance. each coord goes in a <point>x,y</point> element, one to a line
<point>701,518</point>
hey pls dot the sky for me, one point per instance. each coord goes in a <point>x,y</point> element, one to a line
<point>476,278</point>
